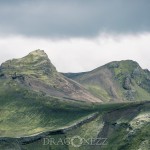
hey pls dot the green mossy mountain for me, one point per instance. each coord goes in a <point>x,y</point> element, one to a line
<point>116,81</point>
<point>37,73</point>
<point>35,63</point>
<point>35,100</point>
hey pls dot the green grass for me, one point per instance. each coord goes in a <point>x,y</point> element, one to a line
<point>35,118</point>
<point>98,92</point>
<point>23,112</point>
<point>117,138</point>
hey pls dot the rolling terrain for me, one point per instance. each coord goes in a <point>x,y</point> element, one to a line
<point>122,126</point>
<point>38,103</point>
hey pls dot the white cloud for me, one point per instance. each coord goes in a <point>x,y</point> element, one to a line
<point>81,54</point>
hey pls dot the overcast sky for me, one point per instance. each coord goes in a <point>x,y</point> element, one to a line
<point>78,35</point>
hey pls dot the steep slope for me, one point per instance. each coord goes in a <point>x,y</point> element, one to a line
<point>116,81</point>
<point>35,71</point>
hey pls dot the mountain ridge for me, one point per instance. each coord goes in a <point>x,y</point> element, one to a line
<point>115,81</point>
<point>124,80</point>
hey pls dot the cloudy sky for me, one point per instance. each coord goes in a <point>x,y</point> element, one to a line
<point>77,35</point>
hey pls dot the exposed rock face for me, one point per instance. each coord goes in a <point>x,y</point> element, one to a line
<point>127,83</point>
<point>113,65</point>
<point>130,94</point>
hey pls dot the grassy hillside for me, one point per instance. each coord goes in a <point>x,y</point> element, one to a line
<point>37,102</point>
<point>116,81</point>
<point>24,112</point>
<point>124,126</point>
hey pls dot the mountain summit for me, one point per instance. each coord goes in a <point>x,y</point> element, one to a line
<point>36,62</point>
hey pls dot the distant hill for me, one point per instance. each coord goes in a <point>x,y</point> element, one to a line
<point>116,81</point>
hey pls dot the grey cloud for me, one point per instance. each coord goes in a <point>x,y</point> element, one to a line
<point>73,18</point>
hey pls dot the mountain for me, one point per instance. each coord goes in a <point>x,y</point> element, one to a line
<point>116,81</point>
<point>36,72</point>
<point>39,104</point>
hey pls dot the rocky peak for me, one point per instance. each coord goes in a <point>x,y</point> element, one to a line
<point>124,63</point>
<point>38,53</point>
<point>35,56</point>
<point>36,62</point>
